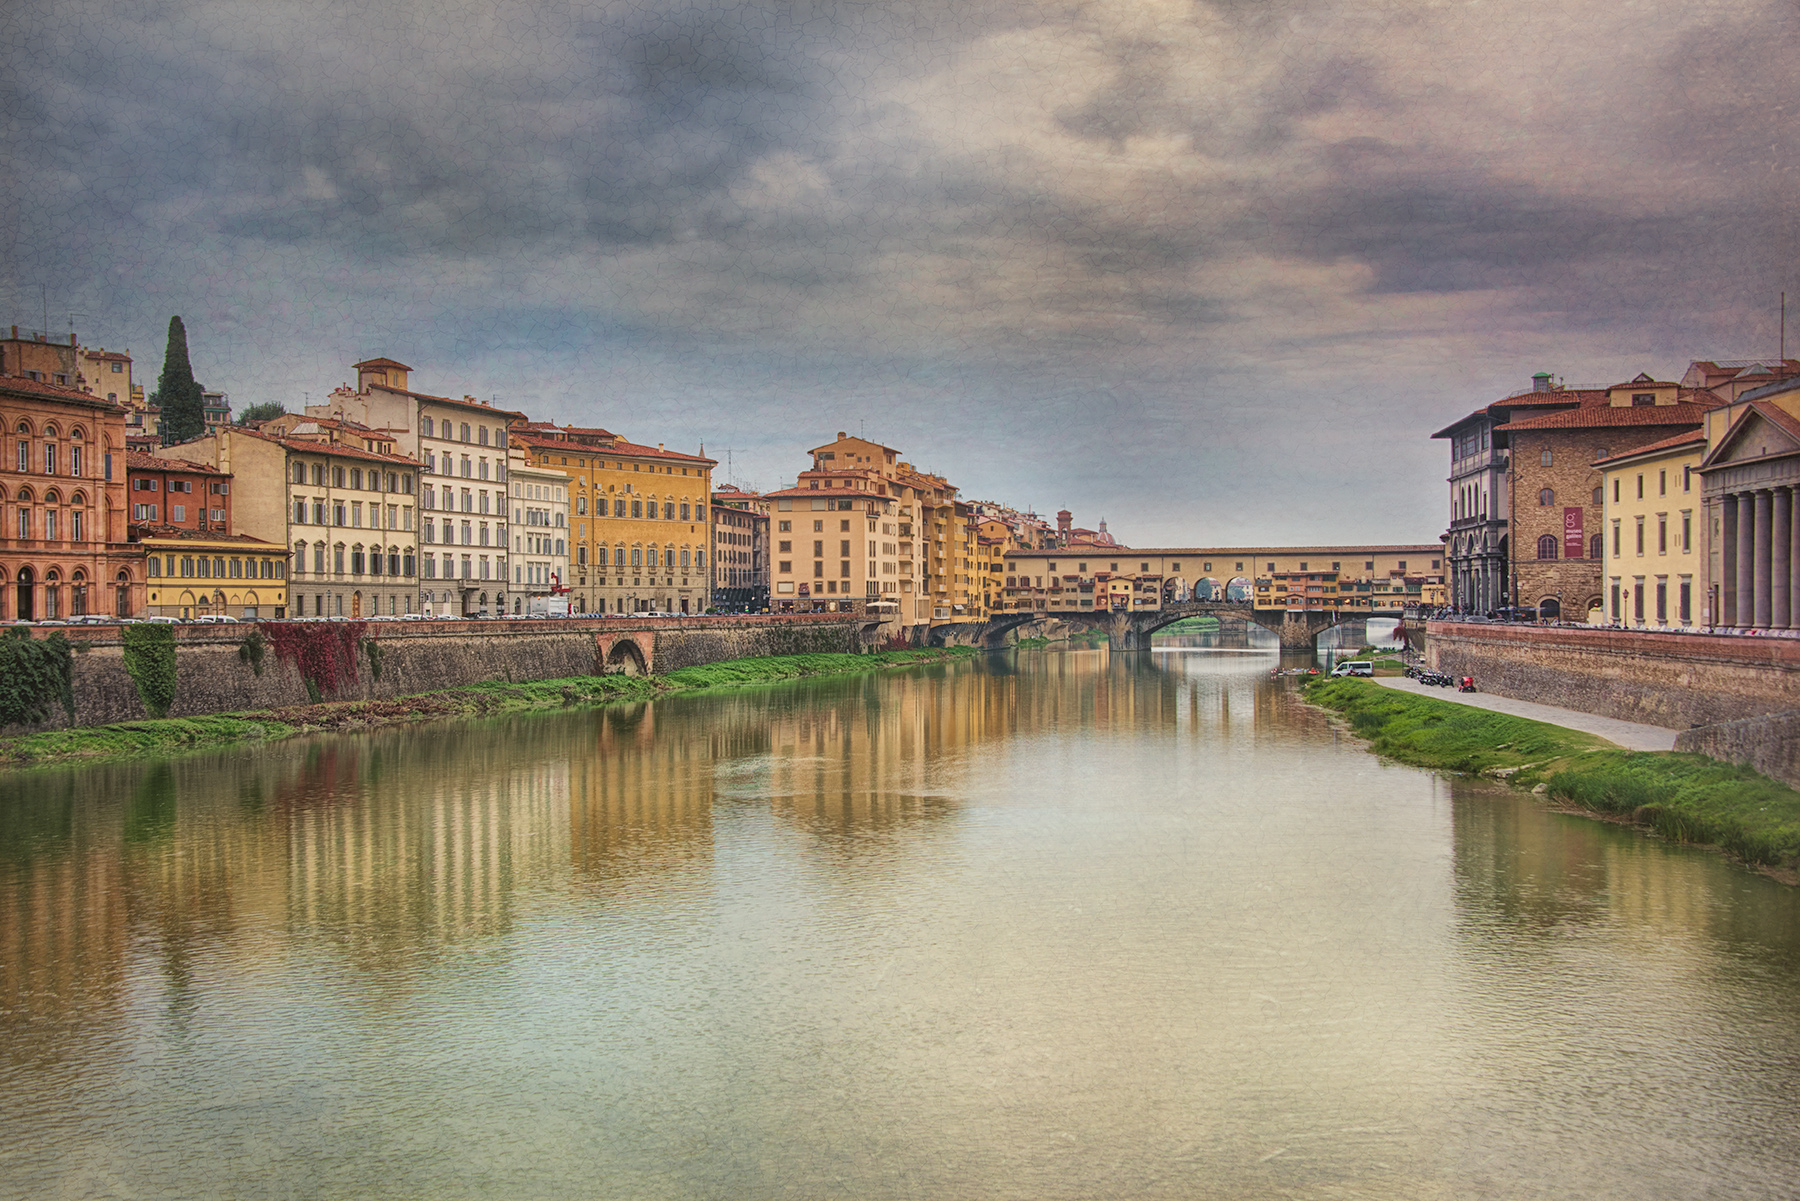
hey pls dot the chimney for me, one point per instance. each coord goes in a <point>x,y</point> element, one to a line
<point>1540,382</point>
<point>842,435</point>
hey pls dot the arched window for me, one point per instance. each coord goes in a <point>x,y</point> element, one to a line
<point>1596,547</point>
<point>1547,546</point>
<point>1546,497</point>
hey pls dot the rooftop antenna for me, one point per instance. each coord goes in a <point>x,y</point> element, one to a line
<point>730,469</point>
<point>1784,327</point>
<point>44,295</point>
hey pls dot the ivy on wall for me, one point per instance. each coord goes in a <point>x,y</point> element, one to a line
<point>254,650</point>
<point>150,661</point>
<point>375,651</point>
<point>323,652</point>
<point>34,676</point>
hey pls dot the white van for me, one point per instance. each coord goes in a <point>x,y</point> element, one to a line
<point>1354,667</point>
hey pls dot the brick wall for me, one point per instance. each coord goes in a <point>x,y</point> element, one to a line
<point>1572,483</point>
<point>1669,680</point>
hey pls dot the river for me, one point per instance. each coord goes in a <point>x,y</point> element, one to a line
<point>1053,924</point>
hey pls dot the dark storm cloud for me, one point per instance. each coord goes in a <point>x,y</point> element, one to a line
<point>1064,207</point>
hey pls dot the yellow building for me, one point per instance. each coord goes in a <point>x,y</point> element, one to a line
<point>195,574</point>
<point>1651,521</point>
<point>641,524</point>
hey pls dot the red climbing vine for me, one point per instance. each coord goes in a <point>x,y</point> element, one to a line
<point>324,652</point>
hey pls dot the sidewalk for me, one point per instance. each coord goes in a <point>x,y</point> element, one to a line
<point>1629,734</point>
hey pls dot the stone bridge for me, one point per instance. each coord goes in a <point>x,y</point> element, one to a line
<point>1298,630</point>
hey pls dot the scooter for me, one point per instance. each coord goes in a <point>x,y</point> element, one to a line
<point>1467,685</point>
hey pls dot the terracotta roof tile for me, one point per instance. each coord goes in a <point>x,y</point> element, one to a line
<point>24,386</point>
<point>1685,438</point>
<point>137,460</point>
<point>1608,416</point>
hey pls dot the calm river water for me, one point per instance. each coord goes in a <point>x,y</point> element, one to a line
<point>1050,925</point>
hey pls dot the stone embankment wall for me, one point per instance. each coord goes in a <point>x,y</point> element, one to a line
<point>1769,744</point>
<point>212,674</point>
<point>1669,680</point>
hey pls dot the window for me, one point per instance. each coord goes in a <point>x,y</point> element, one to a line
<point>1546,547</point>
<point>1662,483</point>
<point>1546,496</point>
<point>1546,458</point>
<point>1596,547</point>
<point>1640,400</point>
<point>1687,536</point>
<point>427,427</point>
<point>1687,482</point>
<point>1662,533</point>
<point>1640,536</point>
<point>1599,495</point>
<point>1640,486</point>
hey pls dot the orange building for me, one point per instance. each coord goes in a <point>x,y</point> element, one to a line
<point>63,504</point>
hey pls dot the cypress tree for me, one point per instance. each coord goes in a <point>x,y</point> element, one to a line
<point>177,395</point>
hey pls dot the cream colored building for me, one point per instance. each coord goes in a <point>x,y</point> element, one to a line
<point>1651,522</point>
<point>465,452</point>
<point>342,502</point>
<point>540,533</point>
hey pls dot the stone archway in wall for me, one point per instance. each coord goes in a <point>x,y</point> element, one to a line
<point>1239,588</point>
<point>625,656</point>
<point>1549,609</point>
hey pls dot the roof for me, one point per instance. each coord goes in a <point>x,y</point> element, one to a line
<point>302,446</point>
<point>1688,411</point>
<point>629,450</point>
<point>1694,437</point>
<point>175,533</point>
<point>24,386</point>
<point>137,460</point>
<point>1643,380</point>
<point>106,355</point>
<point>1501,410</point>
<point>1774,389</point>
<point>847,438</point>
<point>585,431</point>
<point>379,363</point>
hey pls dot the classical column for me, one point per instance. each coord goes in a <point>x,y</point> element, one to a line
<point>1794,559</point>
<point>1781,536</point>
<point>1746,560</point>
<point>1725,586</point>
<point>1760,579</point>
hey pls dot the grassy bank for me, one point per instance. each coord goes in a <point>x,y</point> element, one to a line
<point>1688,798</point>
<point>173,735</point>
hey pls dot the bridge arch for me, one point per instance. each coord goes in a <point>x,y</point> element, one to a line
<point>1239,588</point>
<point>625,656</point>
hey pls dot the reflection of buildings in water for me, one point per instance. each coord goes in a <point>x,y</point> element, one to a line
<point>640,804</point>
<point>426,855</point>
<point>1524,873</point>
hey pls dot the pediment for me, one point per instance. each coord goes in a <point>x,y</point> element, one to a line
<point>1754,437</point>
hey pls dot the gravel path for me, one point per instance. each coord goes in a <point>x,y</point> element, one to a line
<point>1631,735</point>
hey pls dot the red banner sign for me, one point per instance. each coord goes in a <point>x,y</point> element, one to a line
<point>1574,544</point>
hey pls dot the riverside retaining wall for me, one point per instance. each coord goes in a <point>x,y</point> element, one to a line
<point>213,676</point>
<point>1669,680</point>
<point>1770,744</point>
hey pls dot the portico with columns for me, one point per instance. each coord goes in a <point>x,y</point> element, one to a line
<point>1752,499</point>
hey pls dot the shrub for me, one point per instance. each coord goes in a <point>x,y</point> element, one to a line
<point>34,675</point>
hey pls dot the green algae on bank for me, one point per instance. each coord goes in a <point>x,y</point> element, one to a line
<point>1686,798</point>
<point>176,735</point>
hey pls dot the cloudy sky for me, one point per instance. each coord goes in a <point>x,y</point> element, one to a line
<point>1212,270</point>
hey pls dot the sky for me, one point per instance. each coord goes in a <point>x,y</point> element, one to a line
<point>1213,271</point>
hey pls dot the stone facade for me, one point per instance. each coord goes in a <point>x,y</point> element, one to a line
<point>1669,680</point>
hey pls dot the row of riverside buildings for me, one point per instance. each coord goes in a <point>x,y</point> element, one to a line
<point>383,501</point>
<point>1649,503</point>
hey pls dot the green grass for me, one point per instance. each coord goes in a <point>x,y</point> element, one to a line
<point>158,736</point>
<point>1688,798</point>
<point>165,736</point>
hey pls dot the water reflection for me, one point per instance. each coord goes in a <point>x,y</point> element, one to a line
<point>1058,924</point>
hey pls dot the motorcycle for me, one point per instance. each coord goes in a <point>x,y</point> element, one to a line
<point>1467,685</point>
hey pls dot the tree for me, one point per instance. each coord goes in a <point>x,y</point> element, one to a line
<point>177,394</point>
<point>267,411</point>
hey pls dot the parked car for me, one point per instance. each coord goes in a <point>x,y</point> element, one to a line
<point>1354,667</point>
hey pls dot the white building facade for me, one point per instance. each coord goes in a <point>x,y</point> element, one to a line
<point>540,534</point>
